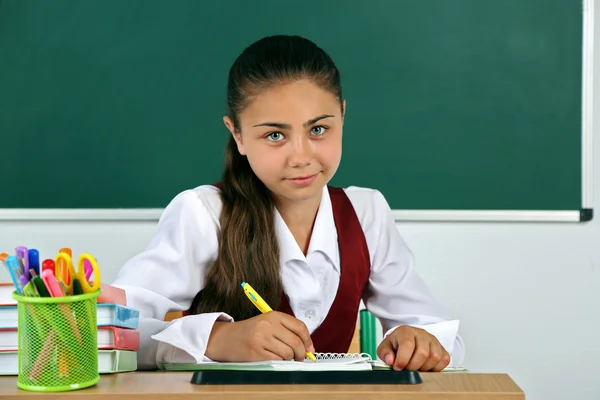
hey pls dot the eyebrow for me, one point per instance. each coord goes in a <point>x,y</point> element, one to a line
<point>288,126</point>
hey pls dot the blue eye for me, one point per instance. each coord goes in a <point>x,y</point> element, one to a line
<point>275,136</point>
<point>318,130</point>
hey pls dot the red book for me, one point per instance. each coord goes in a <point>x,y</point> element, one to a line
<point>109,337</point>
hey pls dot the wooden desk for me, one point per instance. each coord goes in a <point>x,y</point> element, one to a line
<point>176,385</point>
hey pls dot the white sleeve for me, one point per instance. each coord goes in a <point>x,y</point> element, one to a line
<point>395,294</point>
<point>166,277</point>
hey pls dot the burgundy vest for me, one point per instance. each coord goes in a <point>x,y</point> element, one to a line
<point>335,333</point>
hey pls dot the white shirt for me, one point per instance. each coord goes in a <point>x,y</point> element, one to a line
<point>172,270</point>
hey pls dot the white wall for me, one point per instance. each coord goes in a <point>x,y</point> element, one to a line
<point>527,294</point>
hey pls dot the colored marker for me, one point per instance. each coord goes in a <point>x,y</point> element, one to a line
<point>23,255</point>
<point>28,288</point>
<point>39,284</point>
<point>34,260</point>
<point>3,257</point>
<point>14,270</point>
<point>48,265</point>
<point>77,290</point>
<point>52,284</point>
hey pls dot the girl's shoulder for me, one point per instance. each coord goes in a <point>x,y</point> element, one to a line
<point>365,199</point>
<point>371,207</point>
<point>200,202</point>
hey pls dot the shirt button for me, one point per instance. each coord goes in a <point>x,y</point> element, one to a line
<point>310,314</point>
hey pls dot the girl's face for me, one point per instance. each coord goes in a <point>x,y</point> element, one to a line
<point>292,137</point>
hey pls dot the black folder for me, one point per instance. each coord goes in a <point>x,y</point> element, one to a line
<point>377,377</point>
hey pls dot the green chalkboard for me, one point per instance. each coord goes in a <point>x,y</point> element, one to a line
<point>463,104</point>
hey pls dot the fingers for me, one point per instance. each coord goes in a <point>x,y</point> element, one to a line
<point>293,341</point>
<point>406,348</point>
<point>435,356</point>
<point>420,353</point>
<point>269,356</point>
<point>298,328</point>
<point>281,350</point>
<point>386,351</point>
<point>443,362</point>
<point>413,349</point>
<point>428,355</point>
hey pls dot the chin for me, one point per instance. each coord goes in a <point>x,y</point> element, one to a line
<point>300,193</point>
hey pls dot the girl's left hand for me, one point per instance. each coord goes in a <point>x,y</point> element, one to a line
<point>413,349</point>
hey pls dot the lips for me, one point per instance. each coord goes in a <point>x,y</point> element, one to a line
<point>303,180</point>
<point>304,177</point>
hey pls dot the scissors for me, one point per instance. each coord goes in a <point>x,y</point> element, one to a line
<point>65,271</point>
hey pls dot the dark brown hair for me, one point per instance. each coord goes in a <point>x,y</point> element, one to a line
<point>248,246</point>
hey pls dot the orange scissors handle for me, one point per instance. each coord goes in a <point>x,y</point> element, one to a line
<point>65,270</point>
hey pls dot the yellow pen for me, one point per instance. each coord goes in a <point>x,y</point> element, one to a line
<point>263,307</point>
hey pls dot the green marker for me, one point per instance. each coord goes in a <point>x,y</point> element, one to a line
<point>39,284</point>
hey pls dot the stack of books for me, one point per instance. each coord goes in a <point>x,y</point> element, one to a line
<point>118,337</point>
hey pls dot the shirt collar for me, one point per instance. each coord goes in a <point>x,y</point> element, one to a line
<point>324,235</point>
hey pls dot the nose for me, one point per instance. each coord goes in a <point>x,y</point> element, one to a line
<point>301,152</point>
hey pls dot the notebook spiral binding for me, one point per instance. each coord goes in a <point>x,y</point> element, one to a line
<point>341,356</point>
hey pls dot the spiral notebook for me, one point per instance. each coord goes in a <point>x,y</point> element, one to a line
<point>325,362</point>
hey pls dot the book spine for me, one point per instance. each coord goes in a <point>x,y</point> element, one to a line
<point>126,339</point>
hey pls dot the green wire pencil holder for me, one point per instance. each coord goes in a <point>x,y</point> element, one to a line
<point>57,342</point>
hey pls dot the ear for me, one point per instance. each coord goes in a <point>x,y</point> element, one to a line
<point>343,111</point>
<point>237,136</point>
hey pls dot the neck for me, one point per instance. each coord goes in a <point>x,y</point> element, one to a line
<point>299,216</point>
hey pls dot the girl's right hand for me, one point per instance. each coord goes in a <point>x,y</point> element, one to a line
<point>271,336</point>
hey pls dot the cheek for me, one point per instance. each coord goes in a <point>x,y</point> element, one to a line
<point>265,164</point>
<point>331,154</point>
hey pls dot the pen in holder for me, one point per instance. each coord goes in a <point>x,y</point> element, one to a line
<point>58,343</point>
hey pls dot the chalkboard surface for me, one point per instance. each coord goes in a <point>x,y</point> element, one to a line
<point>464,104</point>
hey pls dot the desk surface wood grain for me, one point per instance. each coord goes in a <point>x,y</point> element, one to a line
<point>176,385</point>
